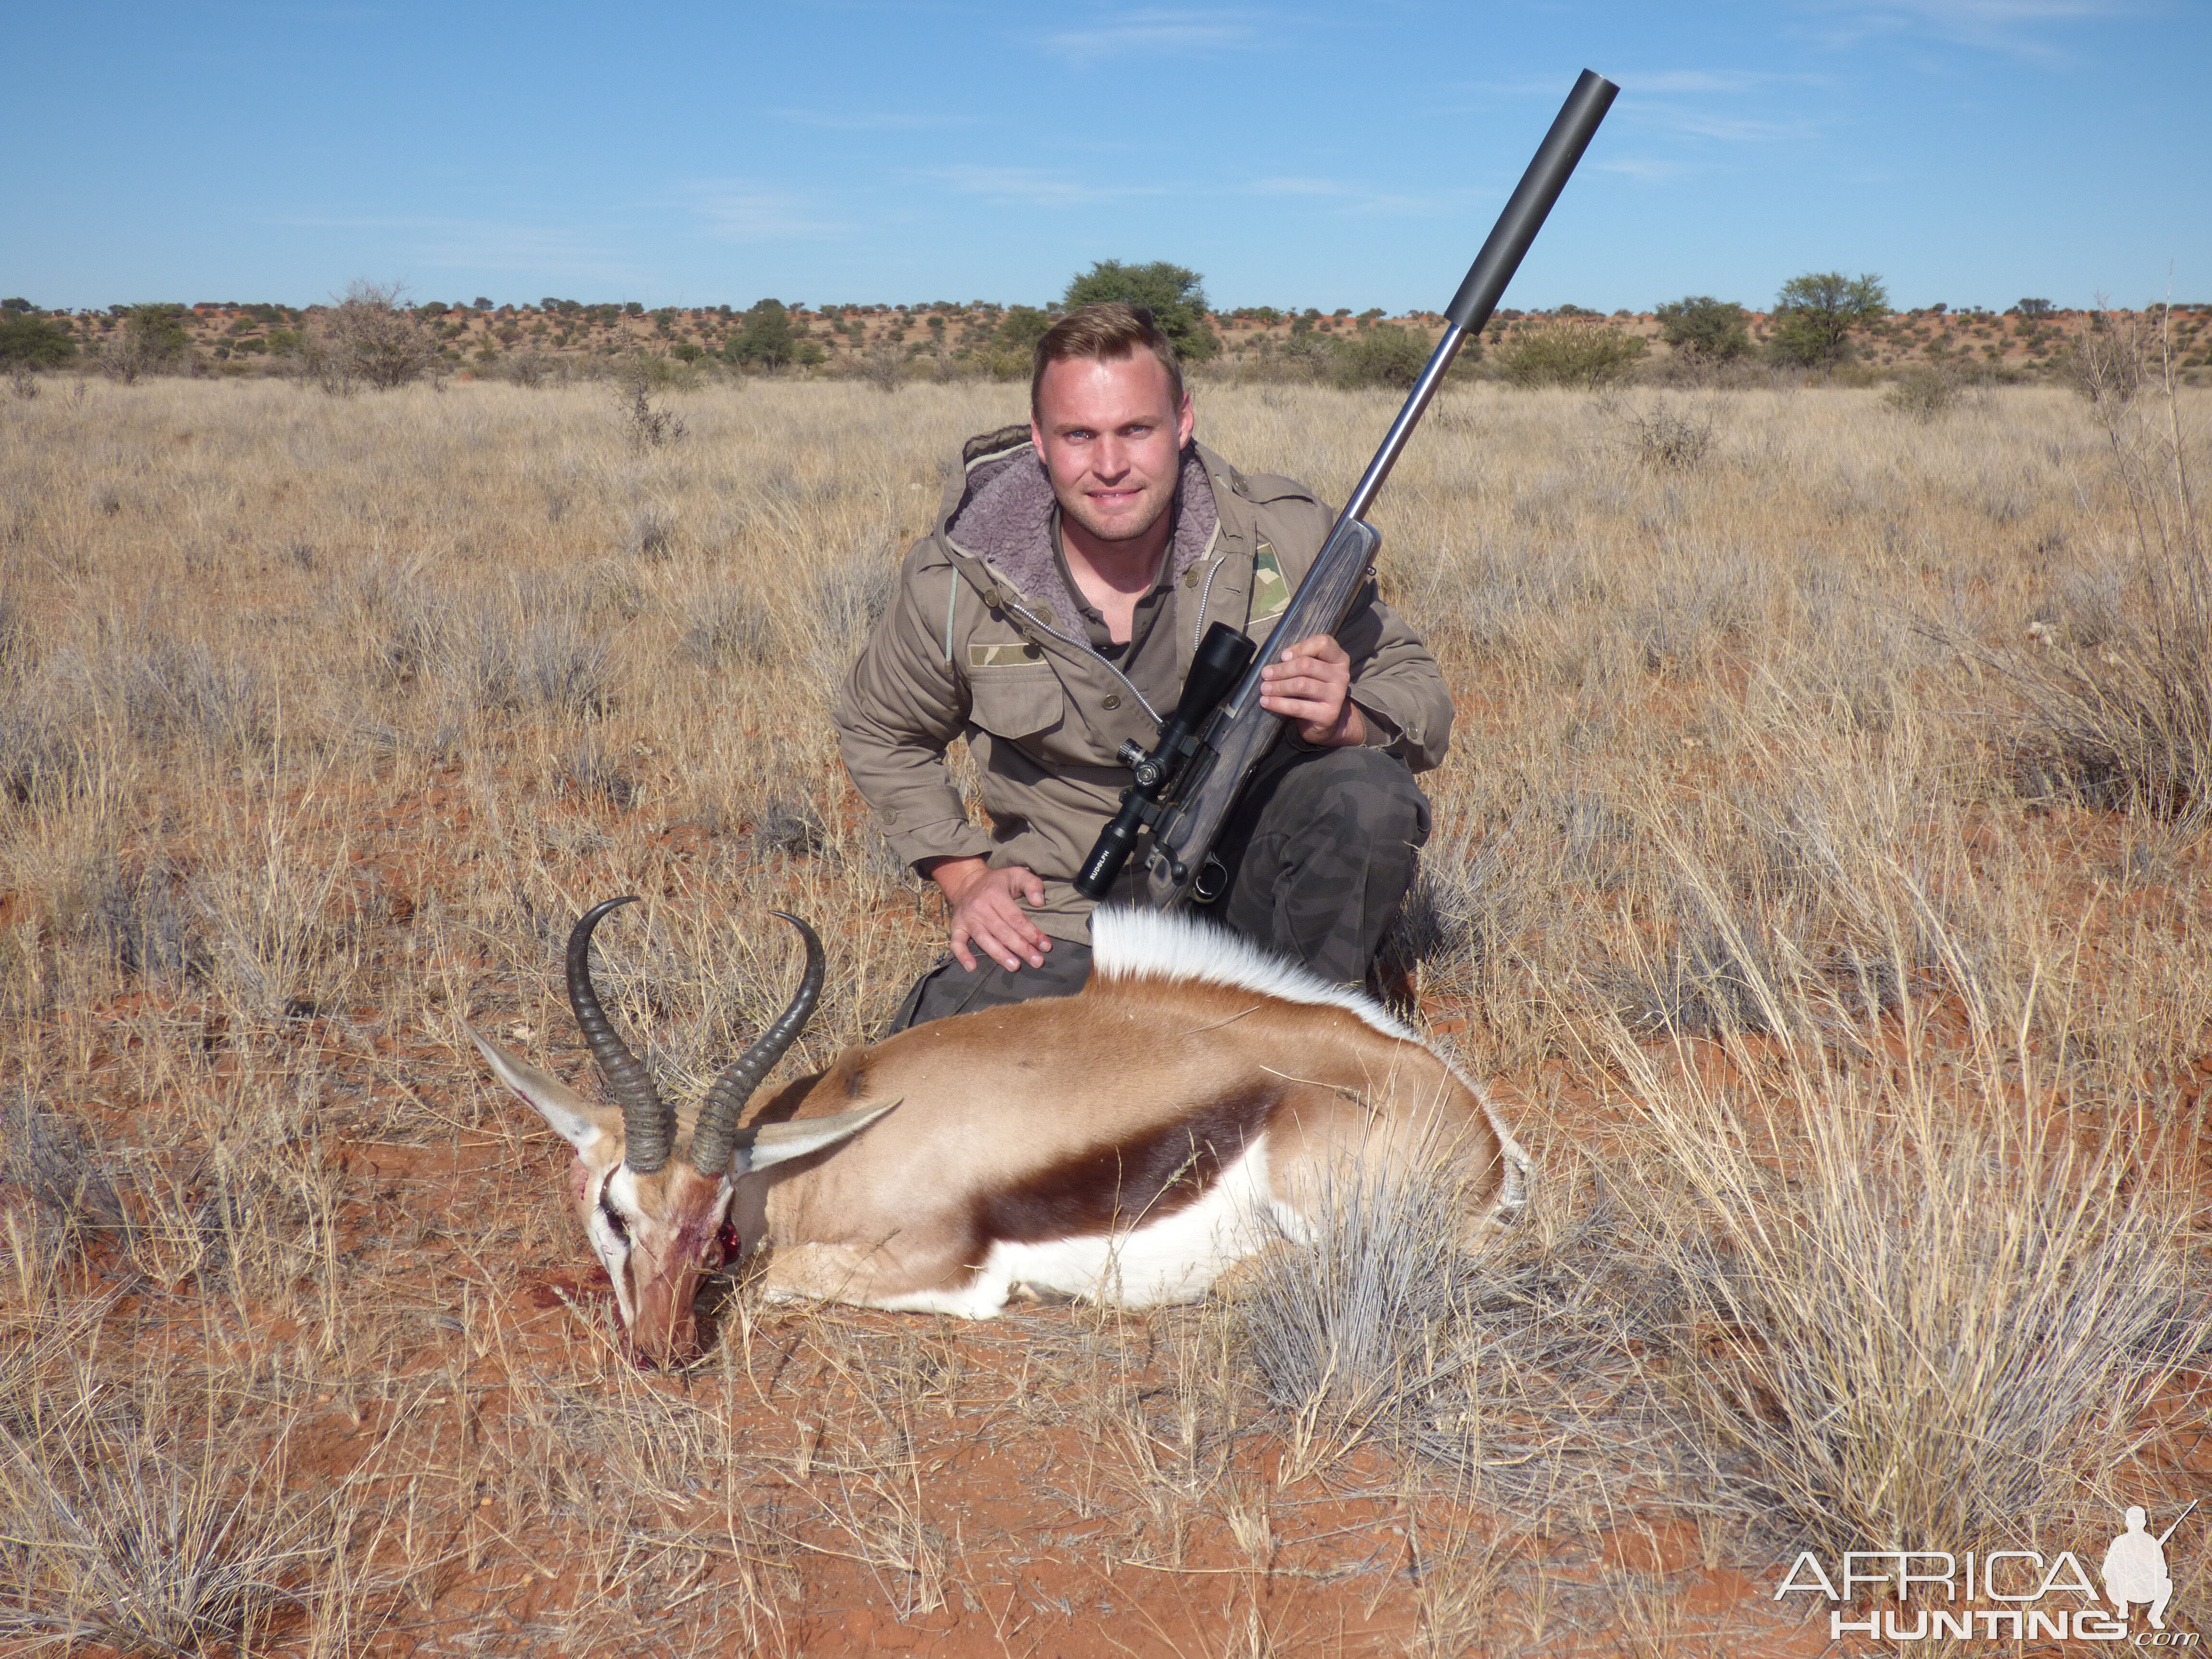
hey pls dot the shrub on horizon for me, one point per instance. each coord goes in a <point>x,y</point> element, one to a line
<point>31,342</point>
<point>1698,325</point>
<point>1175,296</point>
<point>368,339</point>
<point>1815,314</point>
<point>1571,353</point>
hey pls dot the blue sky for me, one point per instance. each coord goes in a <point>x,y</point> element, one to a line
<point>1970,151</point>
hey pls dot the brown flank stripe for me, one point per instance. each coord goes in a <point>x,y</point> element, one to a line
<point>1128,1183</point>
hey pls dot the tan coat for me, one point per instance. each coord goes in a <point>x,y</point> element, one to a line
<point>981,641</point>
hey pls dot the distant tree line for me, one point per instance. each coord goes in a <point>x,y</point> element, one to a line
<point>373,338</point>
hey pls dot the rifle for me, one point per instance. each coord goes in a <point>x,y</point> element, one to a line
<point>1186,783</point>
<point>2178,1520</point>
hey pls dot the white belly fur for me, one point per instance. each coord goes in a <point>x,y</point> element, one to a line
<point>1175,1258</point>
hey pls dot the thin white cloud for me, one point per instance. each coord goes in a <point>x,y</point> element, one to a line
<point>1530,86</point>
<point>296,15</point>
<point>1650,169</point>
<point>1034,187</point>
<point>872,120</point>
<point>1726,128</point>
<point>1637,82</point>
<point>2012,26</point>
<point>1364,199</point>
<point>1183,33</point>
<point>738,211</point>
<point>1298,187</point>
<point>2000,13</point>
<point>481,245</point>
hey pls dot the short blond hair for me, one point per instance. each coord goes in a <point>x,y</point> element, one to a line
<point>1108,330</point>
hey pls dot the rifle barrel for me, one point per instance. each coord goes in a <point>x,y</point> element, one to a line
<point>1185,819</point>
<point>2178,1520</point>
<point>1493,267</point>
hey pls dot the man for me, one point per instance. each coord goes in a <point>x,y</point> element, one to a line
<point>1052,617</point>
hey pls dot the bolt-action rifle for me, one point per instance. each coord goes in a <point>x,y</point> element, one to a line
<point>1186,783</point>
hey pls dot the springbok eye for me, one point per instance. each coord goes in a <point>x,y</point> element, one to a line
<point>620,1228</point>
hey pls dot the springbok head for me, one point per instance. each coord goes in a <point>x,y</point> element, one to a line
<point>656,1204</point>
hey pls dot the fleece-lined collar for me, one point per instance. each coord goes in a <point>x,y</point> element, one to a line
<point>1004,519</point>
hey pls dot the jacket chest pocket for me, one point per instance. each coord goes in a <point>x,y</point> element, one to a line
<point>1017,703</point>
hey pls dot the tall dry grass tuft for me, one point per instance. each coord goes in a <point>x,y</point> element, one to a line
<point>2116,697</point>
<point>1512,1370</point>
<point>1913,1299</point>
<point>1902,1325</point>
<point>150,1520</point>
<point>53,1176</point>
<point>1352,1330</point>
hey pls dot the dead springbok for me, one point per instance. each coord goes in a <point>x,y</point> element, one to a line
<point>1197,1099</point>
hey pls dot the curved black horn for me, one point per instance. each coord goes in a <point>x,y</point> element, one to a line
<point>648,1126</point>
<point>714,1137</point>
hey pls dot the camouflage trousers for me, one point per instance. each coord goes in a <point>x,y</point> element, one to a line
<point>1319,853</point>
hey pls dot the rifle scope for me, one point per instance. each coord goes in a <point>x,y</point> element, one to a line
<point>1221,656</point>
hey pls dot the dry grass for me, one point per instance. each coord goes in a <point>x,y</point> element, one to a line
<point>1849,991</point>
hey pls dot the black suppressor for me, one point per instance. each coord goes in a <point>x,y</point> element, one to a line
<point>1221,658</point>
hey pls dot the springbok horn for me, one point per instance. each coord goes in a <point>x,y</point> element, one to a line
<point>714,1136</point>
<point>648,1126</point>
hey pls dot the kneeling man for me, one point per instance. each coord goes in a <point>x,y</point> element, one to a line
<point>1051,617</point>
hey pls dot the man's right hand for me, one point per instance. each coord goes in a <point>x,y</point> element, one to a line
<point>987,911</point>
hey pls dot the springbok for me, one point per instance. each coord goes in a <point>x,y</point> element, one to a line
<point>1197,1099</point>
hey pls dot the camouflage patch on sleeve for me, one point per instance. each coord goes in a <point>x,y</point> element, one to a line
<point>1019,654</point>
<point>1271,591</point>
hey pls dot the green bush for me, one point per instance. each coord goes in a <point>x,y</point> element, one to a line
<point>31,342</point>
<point>2112,362</point>
<point>1700,326</point>
<point>767,340</point>
<point>1384,354</point>
<point>153,338</point>
<point>1174,296</point>
<point>1815,314</point>
<point>1924,393</point>
<point>656,372</point>
<point>1568,353</point>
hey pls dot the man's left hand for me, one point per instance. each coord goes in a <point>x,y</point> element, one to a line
<point>1311,688</point>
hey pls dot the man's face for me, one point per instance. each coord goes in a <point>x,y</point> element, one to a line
<point>1111,437</point>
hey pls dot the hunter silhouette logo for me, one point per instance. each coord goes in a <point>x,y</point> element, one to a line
<point>2135,1567</point>
<point>1938,1595</point>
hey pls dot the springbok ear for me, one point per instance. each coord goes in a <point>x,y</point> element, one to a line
<point>574,1119</point>
<point>772,1144</point>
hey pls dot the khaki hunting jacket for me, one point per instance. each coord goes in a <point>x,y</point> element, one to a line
<point>983,641</point>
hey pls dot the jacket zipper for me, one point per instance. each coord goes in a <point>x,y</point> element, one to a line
<point>1203,593</point>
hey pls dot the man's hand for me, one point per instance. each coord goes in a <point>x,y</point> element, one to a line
<point>1311,687</point>
<point>987,911</point>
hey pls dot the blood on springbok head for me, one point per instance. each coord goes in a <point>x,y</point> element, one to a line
<point>1197,1100</point>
